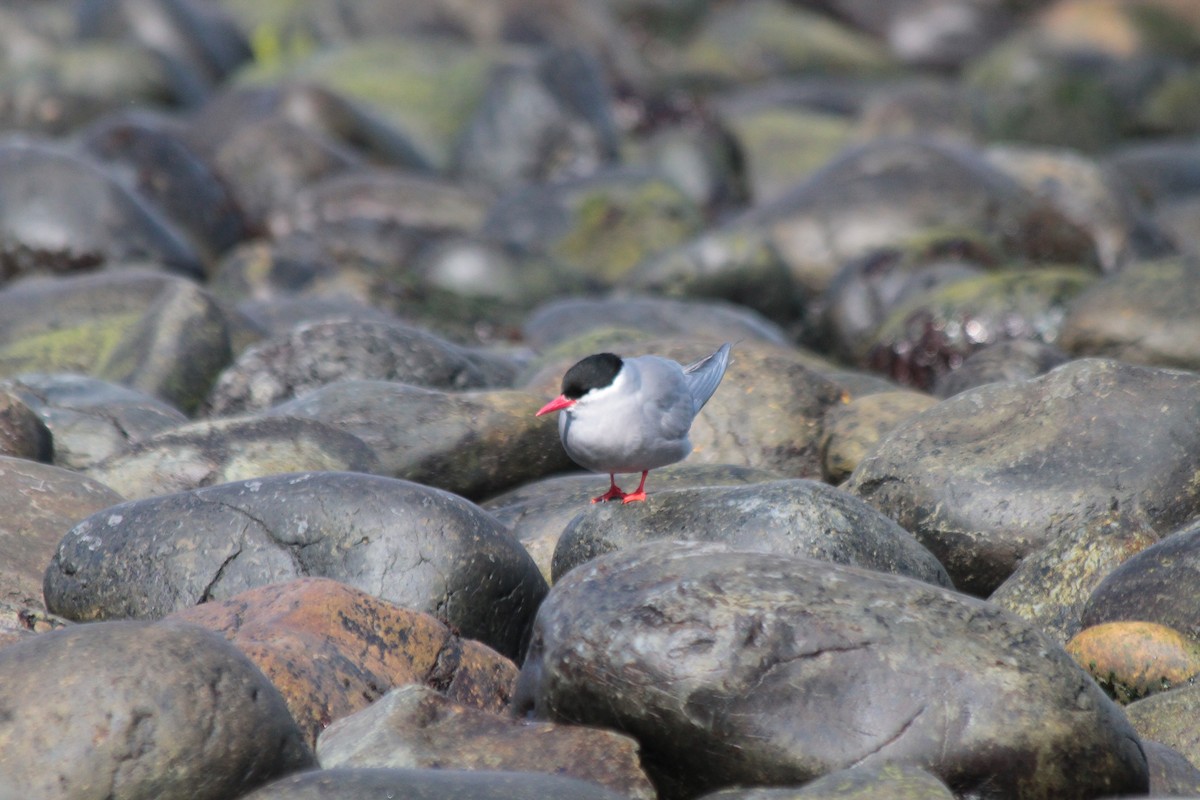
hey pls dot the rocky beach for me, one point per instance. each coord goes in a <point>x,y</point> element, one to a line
<point>283,285</point>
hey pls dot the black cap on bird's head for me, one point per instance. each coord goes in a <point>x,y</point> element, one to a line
<point>594,372</point>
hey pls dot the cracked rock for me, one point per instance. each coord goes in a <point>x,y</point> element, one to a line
<point>745,668</point>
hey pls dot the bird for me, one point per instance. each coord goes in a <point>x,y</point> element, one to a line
<point>628,415</point>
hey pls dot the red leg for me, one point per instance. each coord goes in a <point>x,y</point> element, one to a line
<point>638,493</point>
<point>613,493</point>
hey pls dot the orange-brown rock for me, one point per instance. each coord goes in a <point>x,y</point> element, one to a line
<point>332,649</point>
<point>1134,659</point>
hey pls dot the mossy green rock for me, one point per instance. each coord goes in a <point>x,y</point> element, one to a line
<point>989,476</point>
<point>161,335</point>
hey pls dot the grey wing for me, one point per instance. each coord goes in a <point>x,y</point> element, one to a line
<point>705,375</point>
<point>664,389</point>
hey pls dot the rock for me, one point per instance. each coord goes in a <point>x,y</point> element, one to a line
<point>332,650</point>
<point>317,354</point>
<point>37,503</point>
<point>1144,314</point>
<point>158,334</point>
<point>1171,775</point>
<point>851,429</point>
<point>921,105</point>
<point>796,518</point>
<point>890,780</point>
<point>159,710</point>
<point>236,449</point>
<point>428,784</point>
<point>987,477</point>
<point>1170,718</point>
<point>566,318</point>
<point>1051,585</point>
<point>471,443</point>
<point>1018,359</point>
<point>408,544</point>
<point>83,218</point>
<point>1153,585</point>
<point>599,227</point>
<point>1131,660</point>
<point>18,622</point>
<point>700,155</point>
<point>932,333</point>
<point>22,432</point>
<point>91,419</point>
<point>414,727</point>
<point>742,668</point>
<point>1163,177</point>
<point>537,512</point>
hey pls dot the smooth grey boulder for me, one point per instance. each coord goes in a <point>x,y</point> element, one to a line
<point>745,668</point>
<point>429,784</point>
<point>989,476</point>
<point>793,517</point>
<point>413,545</point>
<point>894,781</point>
<point>139,710</point>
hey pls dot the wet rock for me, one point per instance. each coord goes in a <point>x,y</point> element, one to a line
<point>146,709</point>
<point>37,503</point>
<point>565,318</point>
<point>150,153</point>
<point>154,333</point>
<point>1153,586</point>
<point>317,354</point>
<point>428,784</point>
<point>851,429</point>
<point>83,219</point>
<point>891,780</point>
<point>1131,660</point>
<point>536,122</point>
<point>332,650</point>
<point>888,193</point>
<point>220,451</point>
<point>22,432</point>
<point>414,727</point>
<point>1145,314</point>
<point>796,518</point>
<point>538,512</point>
<point>1018,359</point>
<point>601,226</point>
<point>471,443</point>
<point>752,41</point>
<point>1051,586</point>
<point>741,668</point>
<point>408,544</point>
<point>1170,718</point>
<point>91,419</point>
<point>986,477</point>
<point>932,333</point>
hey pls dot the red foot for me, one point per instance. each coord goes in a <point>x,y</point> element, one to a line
<point>613,492</point>
<point>638,493</point>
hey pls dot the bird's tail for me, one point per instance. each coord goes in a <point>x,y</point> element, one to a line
<point>705,375</point>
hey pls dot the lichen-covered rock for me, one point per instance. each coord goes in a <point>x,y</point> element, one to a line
<point>1135,659</point>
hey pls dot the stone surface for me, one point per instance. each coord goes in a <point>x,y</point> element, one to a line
<point>428,784</point>
<point>141,709</point>
<point>1131,660</point>
<point>1170,718</point>
<point>989,476</point>
<point>851,429</point>
<point>412,545</point>
<point>741,668</point>
<point>881,782</point>
<point>22,432</point>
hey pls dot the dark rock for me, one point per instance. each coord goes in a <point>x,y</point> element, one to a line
<point>412,545</point>
<point>889,781</point>
<point>220,451</point>
<point>796,517</point>
<point>1051,586</point>
<point>159,710</point>
<point>989,476</point>
<point>471,443</point>
<point>1153,585</point>
<point>1145,314</point>
<point>91,419</point>
<point>1170,718</point>
<point>851,429</point>
<point>37,503</point>
<point>428,784</point>
<point>1171,774</point>
<point>1019,359</point>
<point>414,727</point>
<point>83,218</point>
<point>317,354</point>
<point>742,668</point>
<point>332,650</point>
<point>22,432</point>
<point>155,333</point>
